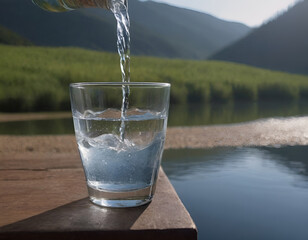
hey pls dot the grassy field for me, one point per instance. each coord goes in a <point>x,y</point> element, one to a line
<point>37,78</point>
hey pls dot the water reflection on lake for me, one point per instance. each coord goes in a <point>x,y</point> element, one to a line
<point>182,115</point>
<point>188,115</point>
<point>243,193</point>
<point>33,127</point>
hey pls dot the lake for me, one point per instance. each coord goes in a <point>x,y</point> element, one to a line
<point>232,193</point>
<point>182,115</point>
<point>243,193</point>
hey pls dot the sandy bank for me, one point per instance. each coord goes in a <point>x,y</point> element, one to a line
<point>12,117</point>
<point>269,132</point>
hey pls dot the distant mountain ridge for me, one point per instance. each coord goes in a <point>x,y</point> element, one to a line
<point>10,38</point>
<point>157,29</point>
<point>281,44</point>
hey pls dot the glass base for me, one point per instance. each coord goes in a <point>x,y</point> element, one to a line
<point>119,203</point>
<point>121,199</point>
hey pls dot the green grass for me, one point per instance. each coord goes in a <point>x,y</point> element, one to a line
<point>37,78</point>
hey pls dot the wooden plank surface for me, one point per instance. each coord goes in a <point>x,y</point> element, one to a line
<point>43,195</point>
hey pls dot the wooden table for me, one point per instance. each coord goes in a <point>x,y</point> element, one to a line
<point>43,195</point>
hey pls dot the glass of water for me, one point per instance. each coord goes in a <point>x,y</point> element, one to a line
<point>120,130</point>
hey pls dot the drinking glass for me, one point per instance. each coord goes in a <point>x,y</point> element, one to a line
<point>120,141</point>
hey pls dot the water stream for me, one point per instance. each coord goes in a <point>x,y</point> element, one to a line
<point>120,11</point>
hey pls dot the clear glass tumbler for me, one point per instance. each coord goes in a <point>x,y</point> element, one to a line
<point>120,144</point>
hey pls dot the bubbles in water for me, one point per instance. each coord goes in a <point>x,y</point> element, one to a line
<point>114,164</point>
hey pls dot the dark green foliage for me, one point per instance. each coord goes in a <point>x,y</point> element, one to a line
<point>303,91</point>
<point>11,38</point>
<point>279,92</point>
<point>156,29</point>
<point>244,92</point>
<point>178,94</point>
<point>37,78</point>
<point>221,92</point>
<point>280,44</point>
<point>197,93</point>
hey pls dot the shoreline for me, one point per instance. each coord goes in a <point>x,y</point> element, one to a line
<point>14,117</point>
<point>267,132</point>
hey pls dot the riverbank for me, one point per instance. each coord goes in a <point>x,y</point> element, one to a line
<point>14,117</point>
<point>268,132</point>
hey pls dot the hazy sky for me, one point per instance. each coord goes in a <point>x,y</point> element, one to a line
<point>250,12</point>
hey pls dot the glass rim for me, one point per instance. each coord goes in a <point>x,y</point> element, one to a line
<point>120,84</point>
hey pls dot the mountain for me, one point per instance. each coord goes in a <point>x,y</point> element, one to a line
<point>193,34</point>
<point>10,38</point>
<point>157,29</point>
<point>281,44</point>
